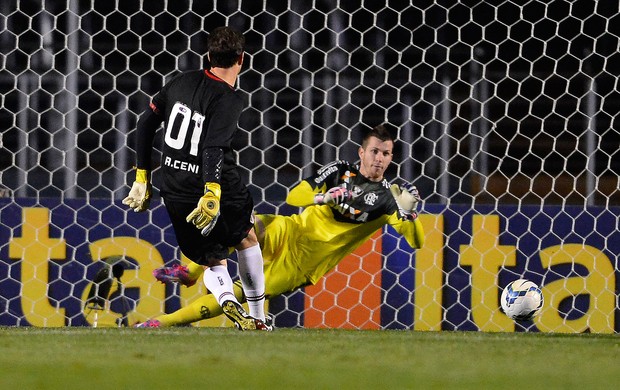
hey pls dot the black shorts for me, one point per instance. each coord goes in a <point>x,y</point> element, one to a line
<point>234,223</point>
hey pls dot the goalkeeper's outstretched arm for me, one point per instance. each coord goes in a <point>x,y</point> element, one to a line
<point>411,230</point>
<point>303,195</point>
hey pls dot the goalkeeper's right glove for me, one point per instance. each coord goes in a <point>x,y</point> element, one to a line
<point>139,196</point>
<point>205,215</point>
<point>335,195</point>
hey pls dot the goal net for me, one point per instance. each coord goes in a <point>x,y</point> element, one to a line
<point>506,114</point>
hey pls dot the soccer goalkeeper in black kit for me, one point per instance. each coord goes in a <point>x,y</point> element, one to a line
<point>344,205</point>
<point>209,207</point>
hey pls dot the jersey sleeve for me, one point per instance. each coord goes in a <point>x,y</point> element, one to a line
<point>412,231</point>
<point>147,126</point>
<point>328,176</point>
<point>302,194</point>
<point>158,102</point>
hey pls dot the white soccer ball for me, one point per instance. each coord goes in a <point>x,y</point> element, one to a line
<point>522,300</point>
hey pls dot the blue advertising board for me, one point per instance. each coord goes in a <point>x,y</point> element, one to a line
<point>51,251</point>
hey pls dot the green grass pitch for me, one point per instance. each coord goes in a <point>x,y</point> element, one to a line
<point>223,358</point>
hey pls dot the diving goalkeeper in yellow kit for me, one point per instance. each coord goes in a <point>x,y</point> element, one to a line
<point>344,205</point>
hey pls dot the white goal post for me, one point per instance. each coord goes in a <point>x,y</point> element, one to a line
<point>506,115</point>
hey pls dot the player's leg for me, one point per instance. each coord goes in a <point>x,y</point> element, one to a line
<point>278,238</point>
<point>208,252</point>
<point>221,288</point>
<point>251,274</point>
<point>281,276</point>
<point>201,308</point>
<point>281,273</point>
<point>238,219</point>
<point>189,273</point>
<point>211,252</point>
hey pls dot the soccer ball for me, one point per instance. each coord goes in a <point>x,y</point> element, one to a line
<point>522,300</point>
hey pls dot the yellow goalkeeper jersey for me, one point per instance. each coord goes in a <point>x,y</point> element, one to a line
<point>316,240</point>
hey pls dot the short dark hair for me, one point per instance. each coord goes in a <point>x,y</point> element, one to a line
<point>380,131</point>
<point>225,46</point>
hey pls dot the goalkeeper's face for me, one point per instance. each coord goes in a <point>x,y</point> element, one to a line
<point>375,157</point>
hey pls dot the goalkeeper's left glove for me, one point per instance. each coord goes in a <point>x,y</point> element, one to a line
<point>205,215</point>
<point>139,196</point>
<point>407,198</point>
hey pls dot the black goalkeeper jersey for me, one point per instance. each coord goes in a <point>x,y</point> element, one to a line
<point>370,199</point>
<point>199,110</point>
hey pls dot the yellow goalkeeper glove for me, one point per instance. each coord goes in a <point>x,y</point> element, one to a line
<point>205,215</point>
<point>139,196</point>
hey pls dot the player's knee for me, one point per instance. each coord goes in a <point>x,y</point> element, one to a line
<point>249,241</point>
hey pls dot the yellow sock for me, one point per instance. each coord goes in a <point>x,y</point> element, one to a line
<point>203,307</point>
<point>200,309</point>
<point>194,270</point>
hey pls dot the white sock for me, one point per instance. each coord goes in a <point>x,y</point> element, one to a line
<point>253,279</point>
<point>218,282</point>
